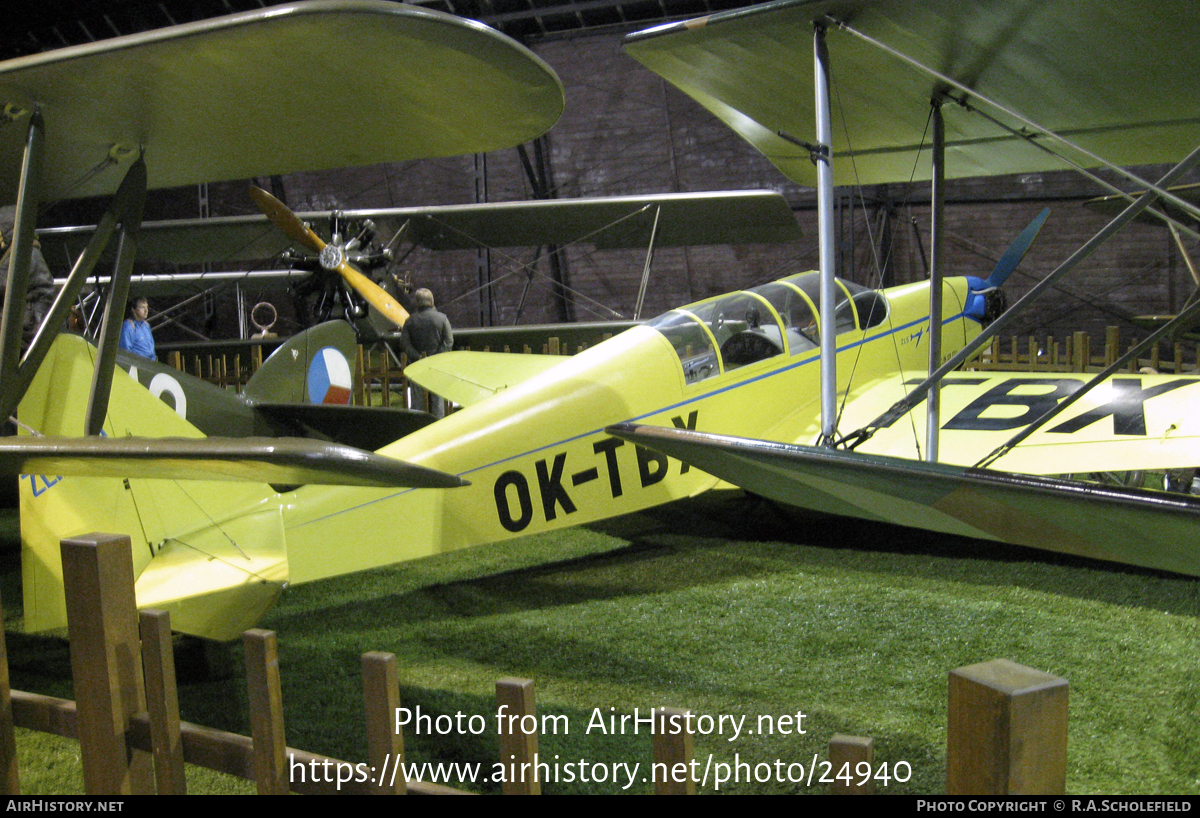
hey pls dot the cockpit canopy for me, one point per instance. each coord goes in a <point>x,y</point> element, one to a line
<point>730,331</point>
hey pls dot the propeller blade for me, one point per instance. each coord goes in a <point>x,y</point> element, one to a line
<point>1016,251</point>
<point>286,220</point>
<point>289,223</point>
<point>375,295</point>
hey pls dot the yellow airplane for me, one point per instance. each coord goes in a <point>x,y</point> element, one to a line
<point>529,439</point>
<point>531,450</point>
<point>1024,92</point>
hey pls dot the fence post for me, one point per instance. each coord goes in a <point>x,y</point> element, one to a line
<point>360,377</point>
<point>848,752</point>
<point>673,753</point>
<point>162,702</point>
<point>1082,351</point>
<point>1007,731</point>
<point>385,740</point>
<point>515,702</point>
<point>106,661</point>
<point>10,780</point>
<point>266,712</point>
<point>1112,345</point>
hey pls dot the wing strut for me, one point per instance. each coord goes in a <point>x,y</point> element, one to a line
<point>127,199</point>
<point>937,261</point>
<point>823,157</point>
<point>637,310</point>
<point>922,389</point>
<point>118,296</point>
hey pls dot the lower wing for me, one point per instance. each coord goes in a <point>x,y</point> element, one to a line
<point>1144,528</point>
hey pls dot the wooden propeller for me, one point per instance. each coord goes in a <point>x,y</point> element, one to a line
<point>332,256</point>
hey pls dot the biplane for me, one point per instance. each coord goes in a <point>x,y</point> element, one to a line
<point>536,445</point>
<point>379,239</point>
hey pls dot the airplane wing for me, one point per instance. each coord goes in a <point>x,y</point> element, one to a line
<point>286,461</point>
<point>468,377</point>
<point>1150,529</point>
<point>300,86</point>
<point>717,217</point>
<point>1130,422</point>
<point>753,69</point>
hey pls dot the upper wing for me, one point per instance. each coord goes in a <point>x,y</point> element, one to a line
<point>1127,423</point>
<point>752,68</point>
<point>719,217</point>
<point>468,377</point>
<point>303,86</point>
<point>1150,529</point>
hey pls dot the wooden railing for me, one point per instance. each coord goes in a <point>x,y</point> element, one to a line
<point>1079,352</point>
<point>1007,723</point>
<point>132,740</point>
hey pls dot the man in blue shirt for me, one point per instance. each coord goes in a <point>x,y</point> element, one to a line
<point>135,332</point>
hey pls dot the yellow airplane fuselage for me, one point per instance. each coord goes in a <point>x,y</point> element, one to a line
<point>216,555</point>
<point>538,458</point>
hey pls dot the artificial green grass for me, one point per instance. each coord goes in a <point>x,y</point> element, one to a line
<point>723,605</point>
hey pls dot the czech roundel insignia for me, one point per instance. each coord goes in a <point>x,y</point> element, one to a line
<point>329,377</point>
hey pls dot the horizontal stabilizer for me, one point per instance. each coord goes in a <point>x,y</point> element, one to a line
<point>259,460</point>
<point>466,377</point>
<point>1150,529</point>
<point>363,427</point>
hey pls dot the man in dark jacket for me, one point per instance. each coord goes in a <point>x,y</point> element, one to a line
<point>41,284</point>
<point>426,332</point>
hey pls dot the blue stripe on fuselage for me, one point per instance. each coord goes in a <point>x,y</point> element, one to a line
<point>660,410</point>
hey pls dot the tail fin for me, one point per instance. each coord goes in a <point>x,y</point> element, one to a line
<point>197,549</point>
<point>312,367</point>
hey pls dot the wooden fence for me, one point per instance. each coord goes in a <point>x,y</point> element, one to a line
<point>1007,723</point>
<point>126,717</point>
<point>1080,353</point>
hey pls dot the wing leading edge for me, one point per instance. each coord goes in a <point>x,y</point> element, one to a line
<point>291,461</point>
<point>238,96</point>
<point>1148,529</point>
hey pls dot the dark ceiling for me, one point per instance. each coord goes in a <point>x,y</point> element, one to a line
<point>31,27</point>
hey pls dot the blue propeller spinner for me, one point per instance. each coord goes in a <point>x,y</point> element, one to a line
<point>977,301</point>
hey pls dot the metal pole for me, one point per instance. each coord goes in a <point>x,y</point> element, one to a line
<point>110,331</point>
<point>936,231</point>
<point>823,156</point>
<point>637,310</point>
